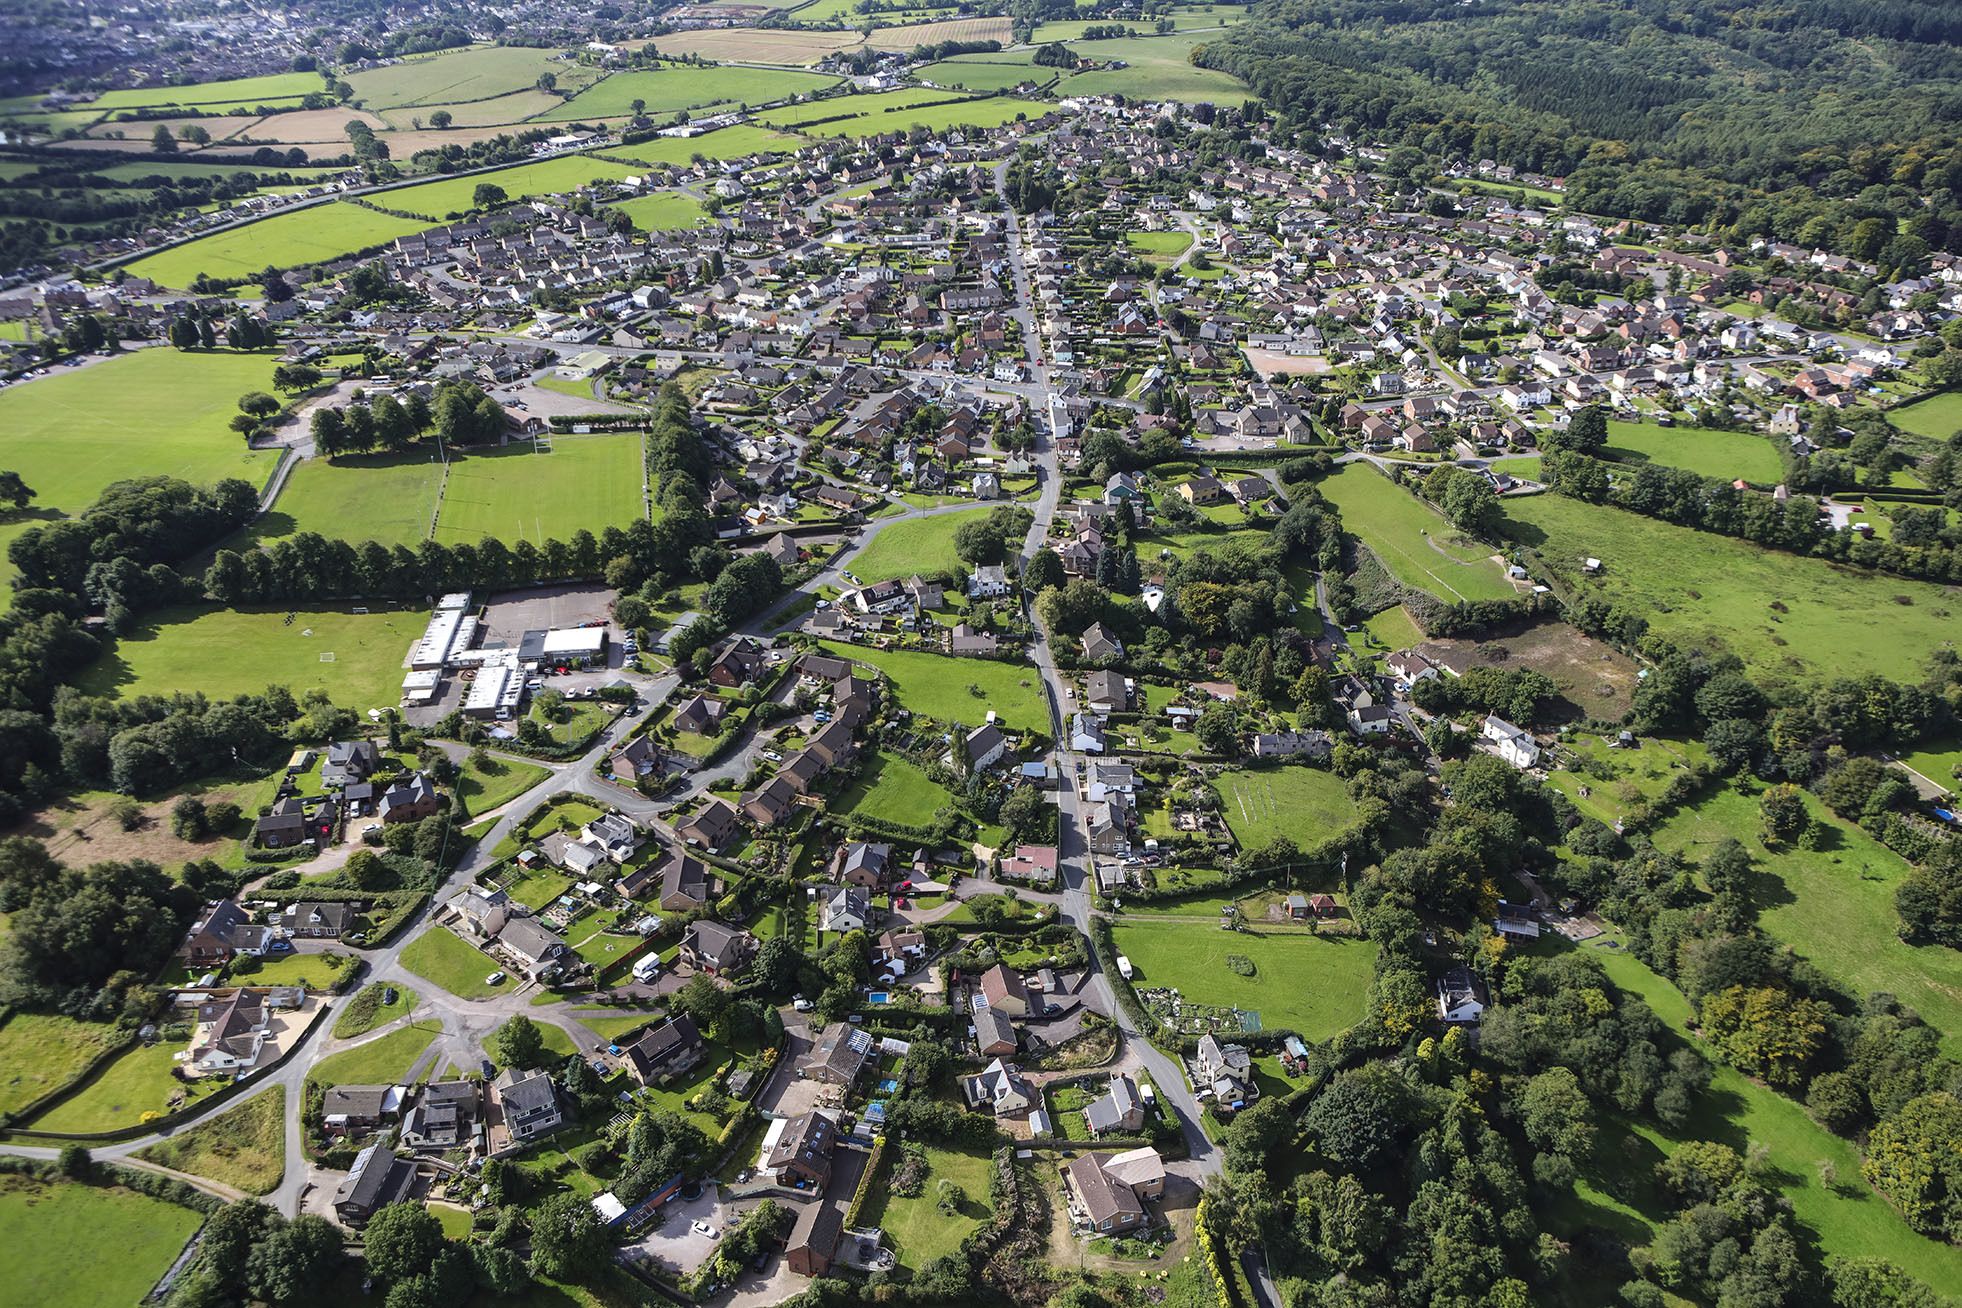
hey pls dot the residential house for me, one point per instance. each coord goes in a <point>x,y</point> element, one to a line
<point>221,931</point>
<point>349,761</point>
<point>1368,718</point>
<point>665,1050</point>
<point>319,921</point>
<point>1001,1089</point>
<point>769,803</point>
<point>686,882</point>
<point>639,757</point>
<point>482,913</point>
<point>1226,1070</point>
<point>231,1033</point>
<point>1031,863</point>
<point>1086,733</point>
<point>711,827</point>
<point>985,746</point>
<point>1293,744</point>
<point>1513,744</point>
<point>1110,1188</point>
<point>1119,1109</point>
<point>524,1106</point>
<point>844,909</point>
<point>444,1117</point>
<point>1100,645</point>
<point>863,864</point>
<point>1003,991</point>
<point>377,1179</point>
<point>994,1034</point>
<point>409,800</point>
<point>801,1156</point>
<point>990,581</point>
<point>1460,997</point>
<point>1517,921</point>
<point>1105,691</point>
<point>537,948</point>
<point>351,1110</point>
<point>840,1055</point>
<point>813,1238</point>
<point>716,949</point>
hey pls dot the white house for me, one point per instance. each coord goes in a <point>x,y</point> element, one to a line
<point>1513,744</point>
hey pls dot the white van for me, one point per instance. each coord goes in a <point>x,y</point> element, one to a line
<point>647,967</point>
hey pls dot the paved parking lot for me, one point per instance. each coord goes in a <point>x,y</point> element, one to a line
<point>675,1242</point>
<point>510,614</point>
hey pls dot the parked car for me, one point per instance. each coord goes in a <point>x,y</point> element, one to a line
<point>494,979</point>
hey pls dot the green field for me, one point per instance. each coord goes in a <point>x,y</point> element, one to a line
<point>496,782</point>
<point>389,498</point>
<point>980,76</point>
<point>894,789</point>
<point>1623,781</point>
<point>478,73</point>
<point>1393,628</point>
<point>243,1147</point>
<point>40,1052</point>
<point>1307,805</point>
<point>727,143</point>
<point>1850,1219</point>
<point>79,1246</point>
<point>1784,615</point>
<point>320,233</point>
<point>1939,761</point>
<point>916,545</point>
<point>916,1228</point>
<point>1159,69</point>
<point>1414,541</point>
<point>238,90</point>
<point>859,105</point>
<point>514,494</point>
<point>1937,417</point>
<point>989,111</point>
<point>136,1083</point>
<point>366,1011</point>
<point>671,88</point>
<point>1725,455</point>
<point>665,211</point>
<point>1163,248</point>
<point>1834,906</point>
<point>385,1060</point>
<point>567,172</point>
<point>440,955</point>
<point>1311,985</point>
<point>938,687</point>
<point>355,657</point>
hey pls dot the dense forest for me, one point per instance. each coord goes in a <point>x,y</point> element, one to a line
<point>1796,120</point>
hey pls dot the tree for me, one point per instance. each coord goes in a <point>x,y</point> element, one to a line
<point>1783,814</point>
<point>488,195</point>
<point>567,1241</point>
<point>1914,1158</point>
<point>1363,1116</point>
<point>401,1241</point>
<point>295,1260</point>
<point>1555,1113</point>
<point>1045,570</point>
<point>162,142</point>
<point>1877,1283</point>
<point>440,119</point>
<point>74,1162</point>
<point>1586,433</point>
<point>519,1043</point>
<point>1767,1033</point>
<point>1218,730</point>
<point>14,491</point>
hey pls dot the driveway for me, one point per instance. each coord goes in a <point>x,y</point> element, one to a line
<point>675,1242</point>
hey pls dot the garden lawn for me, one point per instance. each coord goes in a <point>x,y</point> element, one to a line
<point>366,1011</point>
<point>1851,1221</point>
<point>355,657</point>
<point>1314,986</point>
<point>389,498</point>
<point>916,545</point>
<point>243,1147</point>
<point>40,1052</point>
<point>1834,906</point>
<point>440,955</point>
<point>1939,761</point>
<point>79,1246</point>
<point>1158,68</point>
<point>1307,805</point>
<point>1701,590</point>
<point>1621,782</point>
<point>895,789</point>
<point>514,494</point>
<point>1394,628</point>
<point>566,172</point>
<point>319,233</point>
<point>1725,455</point>
<point>385,1060</point>
<point>1414,541</point>
<point>664,211</point>
<point>1937,417</point>
<point>496,782</point>
<point>136,1083</point>
<point>674,87</point>
<point>938,687</point>
<point>316,972</point>
<point>916,1228</point>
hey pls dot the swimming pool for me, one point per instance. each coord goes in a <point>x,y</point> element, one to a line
<point>888,1086</point>
<point>878,997</point>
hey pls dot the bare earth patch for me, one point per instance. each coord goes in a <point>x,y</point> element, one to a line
<point>1597,678</point>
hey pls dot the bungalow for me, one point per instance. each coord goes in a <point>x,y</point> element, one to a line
<point>840,1055</point>
<point>1003,991</point>
<point>1110,1188</point>
<point>537,948</point>
<point>348,1110</point>
<point>319,921</point>
<point>716,949</point>
<point>1032,863</point>
<point>667,1050</point>
<point>232,1032</point>
<point>1119,1109</point>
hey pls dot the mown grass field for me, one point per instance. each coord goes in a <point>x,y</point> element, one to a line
<point>1939,761</point>
<point>224,652</point>
<point>1850,1220</point>
<point>671,88</point>
<point>136,1083</point>
<point>477,73</point>
<point>665,212</point>
<point>243,1147</point>
<point>1709,453</point>
<point>514,494</point>
<point>938,686</point>
<point>1159,68</point>
<point>385,1060</point>
<point>80,1246</point>
<point>727,143</point>
<point>1161,248</point>
<point>318,234</point>
<point>1834,905</point>
<point>978,76</point>
<point>389,498</point>
<point>366,1011</point>
<point>917,545</point>
<point>1307,805</point>
<point>896,790</point>
<point>496,782</point>
<point>237,90</point>
<point>916,1228</point>
<point>441,956</point>
<point>1308,984</point>
<point>1937,417</point>
<point>456,195</point>
<point>1414,541</point>
<point>1784,615</point>
<point>40,1052</point>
